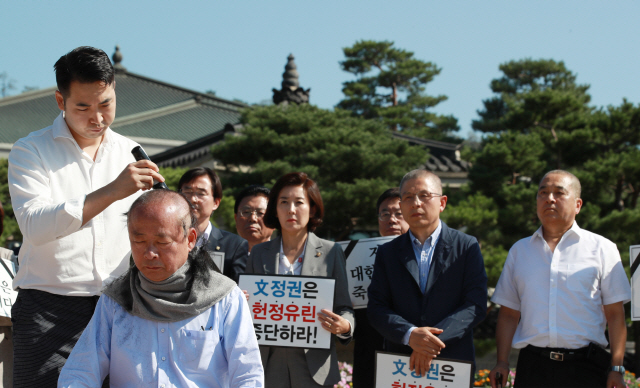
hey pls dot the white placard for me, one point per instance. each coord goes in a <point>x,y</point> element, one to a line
<point>284,309</point>
<point>218,259</point>
<point>634,251</point>
<point>360,267</point>
<point>392,371</point>
<point>7,294</point>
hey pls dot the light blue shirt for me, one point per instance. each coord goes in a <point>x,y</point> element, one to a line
<point>424,255</point>
<point>217,348</point>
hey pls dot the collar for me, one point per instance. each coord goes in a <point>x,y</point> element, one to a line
<point>204,237</point>
<point>575,230</point>
<point>431,240</point>
<point>296,263</point>
<point>60,129</point>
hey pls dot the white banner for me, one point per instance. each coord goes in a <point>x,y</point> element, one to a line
<point>361,255</point>
<point>634,251</point>
<point>392,371</point>
<point>7,294</point>
<point>285,309</point>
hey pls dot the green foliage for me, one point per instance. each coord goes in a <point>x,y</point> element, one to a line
<point>353,160</point>
<point>390,87</point>
<point>223,216</point>
<point>11,229</point>
<point>172,176</point>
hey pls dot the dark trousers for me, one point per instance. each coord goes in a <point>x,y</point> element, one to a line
<point>367,341</point>
<point>46,327</point>
<point>535,370</point>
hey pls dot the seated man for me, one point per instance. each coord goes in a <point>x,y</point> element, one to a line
<point>171,320</point>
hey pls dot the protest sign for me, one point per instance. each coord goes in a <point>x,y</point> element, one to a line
<point>360,257</point>
<point>634,262</point>
<point>284,309</point>
<point>392,371</point>
<point>7,294</point>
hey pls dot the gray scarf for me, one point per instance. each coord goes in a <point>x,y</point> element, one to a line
<point>192,289</point>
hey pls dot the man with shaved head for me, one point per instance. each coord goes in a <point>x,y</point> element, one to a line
<point>429,286</point>
<point>171,320</point>
<point>559,290</point>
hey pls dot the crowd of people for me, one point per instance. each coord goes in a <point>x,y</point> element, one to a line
<point>140,299</point>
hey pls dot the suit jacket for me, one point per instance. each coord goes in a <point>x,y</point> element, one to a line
<point>235,248</point>
<point>330,263</point>
<point>455,299</point>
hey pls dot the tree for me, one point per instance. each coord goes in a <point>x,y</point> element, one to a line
<point>352,159</point>
<point>6,84</point>
<point>390,87</point>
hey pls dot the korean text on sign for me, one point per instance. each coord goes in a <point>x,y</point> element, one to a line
<point>284,309</point>
<point>392,371</point>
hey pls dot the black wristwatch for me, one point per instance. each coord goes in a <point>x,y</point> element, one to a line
<point>618,368</point>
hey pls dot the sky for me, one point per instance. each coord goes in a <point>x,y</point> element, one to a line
<point>239,48</point>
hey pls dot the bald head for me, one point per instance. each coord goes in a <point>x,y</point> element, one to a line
<point>434,181</point>
<point>574,184</point>
<point>172,203</point>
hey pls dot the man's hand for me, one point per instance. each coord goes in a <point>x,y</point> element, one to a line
<point>420,363</point>
<point>615,379</point>
<point>424,341</point>
<point>136,176</point>
<point>501,367</point>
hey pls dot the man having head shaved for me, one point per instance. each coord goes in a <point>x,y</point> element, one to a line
<point>429,286</point>
<point>170,320</point>
<point>559,290</point>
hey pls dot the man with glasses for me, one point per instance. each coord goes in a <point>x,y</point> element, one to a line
<point>429,286</point>
<point>367,339</point>
<point>249,209</point>
<point>203,189</point>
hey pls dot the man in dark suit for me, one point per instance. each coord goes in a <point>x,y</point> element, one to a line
<point>429,286</point>
<point>203,189</point>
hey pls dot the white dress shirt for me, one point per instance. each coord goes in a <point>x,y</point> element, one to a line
<point>560,294</point>
<point>204,237</point>
<point>49,179</point>
<point>216,349</point>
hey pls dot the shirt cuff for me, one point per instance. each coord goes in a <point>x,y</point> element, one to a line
<point>74,208</point>
<point>405,339</point>
<point>348,334</point>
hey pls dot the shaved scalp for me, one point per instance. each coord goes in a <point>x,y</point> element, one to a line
<point>575,182</point>
<point>152,200</point>
<point>433,179</point>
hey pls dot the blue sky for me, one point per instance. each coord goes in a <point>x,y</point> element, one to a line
<point>239,49</point>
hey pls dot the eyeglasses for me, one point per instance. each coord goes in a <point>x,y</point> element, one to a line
<point>422,196</point>
<point>386,216</point>
<point>190,193</point>
<point>246,213</point>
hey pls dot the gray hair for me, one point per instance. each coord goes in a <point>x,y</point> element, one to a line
<point>574,181</point>
<point>187,221</point>
<point>422,173</point>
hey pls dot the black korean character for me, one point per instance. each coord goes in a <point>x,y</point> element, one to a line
<point>285,332</point>
<point>445,370</point>
<point>359,292</point>
<point>257,327</point>
<point>368,270</point>
<point>268,331</point>
<point>357,273</point>
<point>310,288</point>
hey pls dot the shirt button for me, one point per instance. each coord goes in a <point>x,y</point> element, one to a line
<point>162,330</point>
<point>164,358</point>
<point>161,385</point>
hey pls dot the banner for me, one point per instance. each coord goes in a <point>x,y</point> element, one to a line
<point>361,255</point>
<point>634,261</point>
<point>7,294</point>
<point>392,371</point>
<point>285,309</point>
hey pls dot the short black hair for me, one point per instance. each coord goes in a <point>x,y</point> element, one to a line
<point>250,191</point>
<point>393,192</point>
<point>84,64</point>
<point>216,186</point>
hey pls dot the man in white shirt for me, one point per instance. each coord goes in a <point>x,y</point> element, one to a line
<point>558,291</point>
<point>70,183</point>
<point>172,320</point>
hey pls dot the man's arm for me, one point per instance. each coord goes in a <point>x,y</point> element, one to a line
<point>241,345</point>
<point>89,362</point>
<point>40,219</point>
<point>505,329</point>
<point>617,339</point>
<point>474,308</point>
